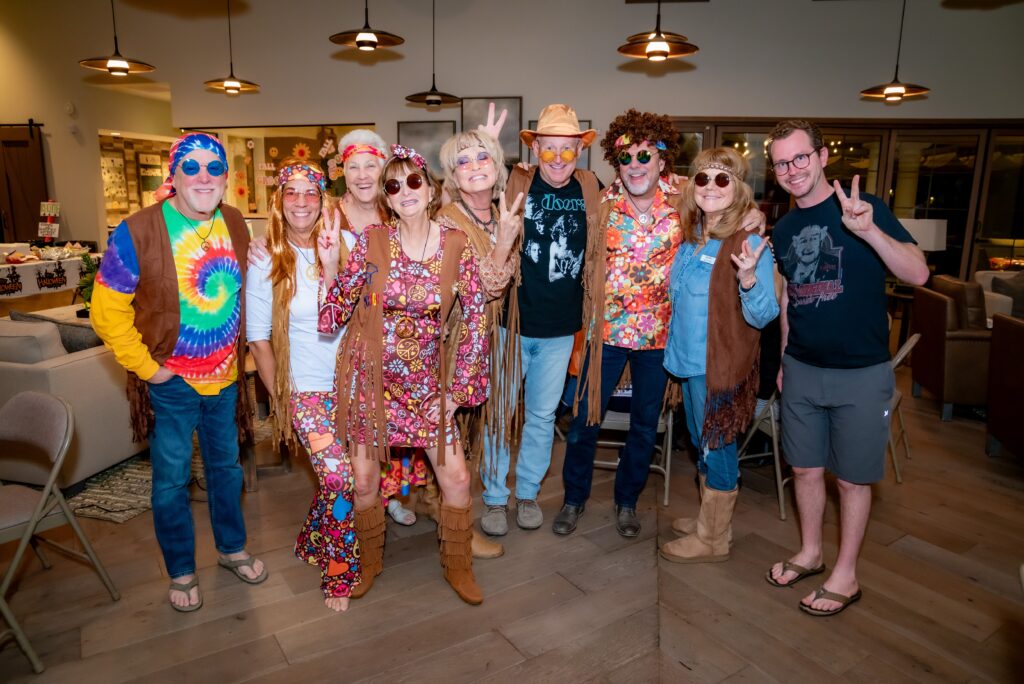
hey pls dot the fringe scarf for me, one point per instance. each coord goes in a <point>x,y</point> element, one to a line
<point>594,267</point>
<point>733,368</point>
<point>158,315</point>
<point>480,422</point>
<point>360,370</point>
<point>281,392</point>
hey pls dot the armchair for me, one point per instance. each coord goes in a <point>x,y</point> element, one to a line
<point>951,360</point>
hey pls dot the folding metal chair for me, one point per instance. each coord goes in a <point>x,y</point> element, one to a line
<point>767,422</point>
<point>35,432</point>
<point>896,408</point>
<point>661,462</point>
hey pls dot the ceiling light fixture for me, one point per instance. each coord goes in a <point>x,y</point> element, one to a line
<point>658,45</point>
<point>894,91</point>
<point>433,97</point>
<point>116,64</point>
<point>231,84</point>
<point>366,38</point>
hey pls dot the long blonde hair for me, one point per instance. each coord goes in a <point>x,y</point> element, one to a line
<point>719,159</point>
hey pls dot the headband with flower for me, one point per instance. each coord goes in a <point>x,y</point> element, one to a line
<point>293,171</point>
<point>403,152</point>
<point>360,149</point>
<point>625,140</point>
<point>720,167</point>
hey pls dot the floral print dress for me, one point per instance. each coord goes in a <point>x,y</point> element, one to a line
<point>412,336</point>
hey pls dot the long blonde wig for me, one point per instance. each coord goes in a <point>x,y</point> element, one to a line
<point>712,161</point>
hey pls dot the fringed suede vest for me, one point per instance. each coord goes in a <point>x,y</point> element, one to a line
<point>480,422</point>
<point>360,358</point>
<point>732,353</point>
<point>158,310</point>
<point>593,306</point>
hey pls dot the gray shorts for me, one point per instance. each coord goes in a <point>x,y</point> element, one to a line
<point>837,418</point>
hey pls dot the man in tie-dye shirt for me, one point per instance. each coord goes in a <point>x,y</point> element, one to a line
<point>167,302</point>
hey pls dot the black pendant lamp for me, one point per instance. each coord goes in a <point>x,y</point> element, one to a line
<point>231,84</point>
<point>366,38</point>
<point>433,97</point>
<point>116,64</point>
<point>894,91</point>
<point>657,45</point>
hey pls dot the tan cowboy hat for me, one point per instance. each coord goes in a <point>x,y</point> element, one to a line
<point>559,120</point>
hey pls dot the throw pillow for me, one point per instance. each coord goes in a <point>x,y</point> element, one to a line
<point>23,342</point>
<point>73,337</point>
<point>1014,289</point>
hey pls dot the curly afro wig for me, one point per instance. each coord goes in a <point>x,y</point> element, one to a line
<point>640,126</point>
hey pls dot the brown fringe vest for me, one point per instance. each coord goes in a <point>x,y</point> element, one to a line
<point>360,357</point>
<point>158,309</point>
<point>733,352</point>
<point>593,305</point>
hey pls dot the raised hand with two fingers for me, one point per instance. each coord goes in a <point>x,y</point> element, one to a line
<point>510,221</point>
<point>328,244</point>
<point>746,262</point>
<point>858,215</point>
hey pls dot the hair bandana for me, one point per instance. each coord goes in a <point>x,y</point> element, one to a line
<point>402,152</point>
<point>625,140</point>
<point>293,171</point>
<point>181,148</point>
<point>360,149</point>
<point>720,167</point>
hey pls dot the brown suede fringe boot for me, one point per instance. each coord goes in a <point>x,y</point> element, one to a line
<point>428,502</point>
<point>370,527</point>
<point>455,530</point>
<point>710,543</point>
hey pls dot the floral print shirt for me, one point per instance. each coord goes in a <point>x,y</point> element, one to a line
<point>637,307</point>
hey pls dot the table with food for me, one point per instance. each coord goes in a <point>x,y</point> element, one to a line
<point>28,270</point>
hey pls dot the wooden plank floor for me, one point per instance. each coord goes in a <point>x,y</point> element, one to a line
<point>942,599</point>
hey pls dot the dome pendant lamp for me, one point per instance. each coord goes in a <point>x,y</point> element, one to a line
<point>116,64</point>
<point>433,97</point>
<point>366,38</point>
<point>894,91</point>
<point>231,84</point>
<point>658,45</point>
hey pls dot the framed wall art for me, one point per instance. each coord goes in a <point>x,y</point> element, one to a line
<point>474,113</point>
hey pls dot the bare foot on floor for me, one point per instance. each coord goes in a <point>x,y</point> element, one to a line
<point>184,599</point>
<point>338,605</point>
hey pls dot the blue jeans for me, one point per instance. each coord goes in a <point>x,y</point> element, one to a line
<point>719,466</point>
<point>649,379</point>
<point>180,411</point>
<point>545,361</point>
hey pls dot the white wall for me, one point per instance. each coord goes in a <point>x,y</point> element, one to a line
<point>765,58</point>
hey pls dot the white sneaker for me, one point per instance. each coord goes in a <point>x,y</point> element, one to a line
<point>400,514</point>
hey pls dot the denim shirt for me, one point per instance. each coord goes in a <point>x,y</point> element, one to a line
<point>690,280</point>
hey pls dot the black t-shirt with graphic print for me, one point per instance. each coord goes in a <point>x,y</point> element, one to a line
<point>836,285</point>
<point>554,241</point>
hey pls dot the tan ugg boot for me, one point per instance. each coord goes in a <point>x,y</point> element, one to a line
<point>710,542</point>
<point>685,526</point>
<point>370,528</point>
<point>455,530</point>
<point>485,548</point>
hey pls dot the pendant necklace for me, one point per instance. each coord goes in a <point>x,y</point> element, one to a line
<point>312,272</point>
<point>488,226</point>
<point>425,242</point>
<point>195,229</point>
<point>644,217</point>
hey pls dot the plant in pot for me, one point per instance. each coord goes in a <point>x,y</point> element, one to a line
<point>90,267</point>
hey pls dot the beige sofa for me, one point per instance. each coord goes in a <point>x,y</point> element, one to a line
<point>995,303</point>
<point>33,358</point>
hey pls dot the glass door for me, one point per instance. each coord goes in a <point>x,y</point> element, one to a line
<point>935,175</point>
<point>999,243</point>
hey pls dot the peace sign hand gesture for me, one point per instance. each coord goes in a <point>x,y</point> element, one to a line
<point>492,127</point>
<point>858,215</point>
<point>328,244</point>
<point>746,262</point>
<point>510,221</point>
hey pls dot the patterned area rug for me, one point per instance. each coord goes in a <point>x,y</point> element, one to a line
<point>122,492</point>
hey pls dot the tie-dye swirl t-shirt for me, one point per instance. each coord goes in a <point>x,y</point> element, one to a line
<point>209,288</point>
